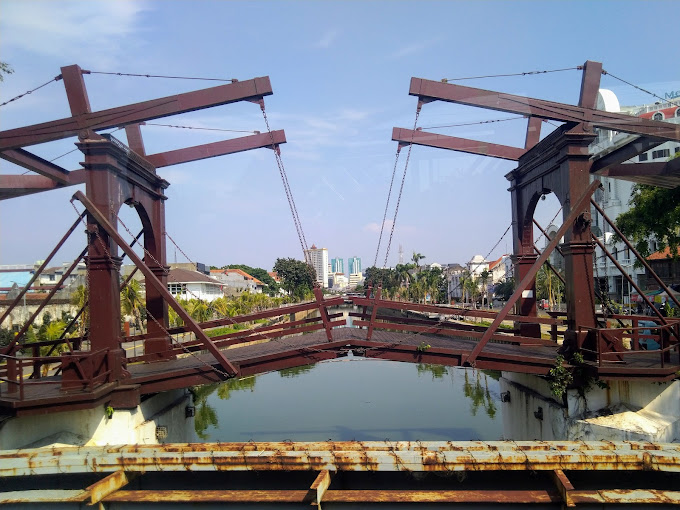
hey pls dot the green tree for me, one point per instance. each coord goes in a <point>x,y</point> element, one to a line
<point>5,69</point>
<point>385,277</point>
<point>80,300</point>
<point>298,277</point>
<point>484,280</point>
<point>654,212</point>
<point>132,301</point>
<point>504,289</point>
<point>549,286</point>
<point>416,258</point>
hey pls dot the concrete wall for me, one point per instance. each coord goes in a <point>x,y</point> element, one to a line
<point>92,427</point>
<point>627,410</point>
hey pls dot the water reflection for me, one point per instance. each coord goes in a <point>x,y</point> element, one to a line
<point>352,399</point>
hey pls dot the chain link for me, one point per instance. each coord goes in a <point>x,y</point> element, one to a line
<point>286,187</point>
<point>401,188</point>
<point>389,194</point>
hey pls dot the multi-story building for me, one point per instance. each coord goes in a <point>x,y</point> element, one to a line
<point>337,265</point>
<point>355,279</point>
<point>354,265</point>
<point>615,195</point>
<point>318,259</point>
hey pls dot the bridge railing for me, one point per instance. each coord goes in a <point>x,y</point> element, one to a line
<point>15,372</point>
<point>258,332</point>
<point>646,337</point>
<point>448,321</point>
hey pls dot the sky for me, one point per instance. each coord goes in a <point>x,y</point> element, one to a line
<point>340,73</point>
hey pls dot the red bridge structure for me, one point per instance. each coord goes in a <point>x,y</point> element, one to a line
<point>96,370</point>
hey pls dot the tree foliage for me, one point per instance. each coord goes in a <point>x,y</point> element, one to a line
<point>654,212</point>
<point>5,68</point>
<point>504,289</point>
<point>297,277</point>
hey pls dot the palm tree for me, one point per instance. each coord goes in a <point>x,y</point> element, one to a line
<point>80,300</point>
<point>132,302</point>
<point>484,278</point>
<point>417,257</point>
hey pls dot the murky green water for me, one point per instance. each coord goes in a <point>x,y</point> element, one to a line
<point>353,398</point>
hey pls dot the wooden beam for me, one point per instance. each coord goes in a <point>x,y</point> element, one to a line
<point>135,113</point>
<point>36,164</point>
<point>211,150</point>
<point>532,107</point>
<point>157,284</point>
<point>454,143</point>
<point>576,210</point>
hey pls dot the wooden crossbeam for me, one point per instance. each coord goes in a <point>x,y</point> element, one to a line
<point>532,107</point>
<point>454,143</point>
<point>36,164</point>
<point>135,113</point>
<point>211,150</point>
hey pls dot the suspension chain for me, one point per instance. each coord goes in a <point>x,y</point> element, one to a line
<point>286,186</point>
<point>387,204</point>
<point>403,179</point>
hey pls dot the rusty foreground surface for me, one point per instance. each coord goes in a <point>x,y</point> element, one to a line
<point>455,472</point>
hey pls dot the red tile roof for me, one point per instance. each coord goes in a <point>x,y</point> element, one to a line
<point>495,263</point>
<point>662,254</point>
<point>244,274</point>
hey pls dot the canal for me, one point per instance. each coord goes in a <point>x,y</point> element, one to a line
<point>353,398</point>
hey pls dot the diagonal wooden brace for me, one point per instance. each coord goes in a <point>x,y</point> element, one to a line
<point>374,311</point>
<point>157,284</point>
<point>576,210</point>
<point>323,312</point>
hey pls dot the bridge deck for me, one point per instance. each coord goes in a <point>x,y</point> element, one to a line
<point>264,356</point>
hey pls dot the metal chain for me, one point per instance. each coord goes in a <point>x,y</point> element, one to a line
<point>177,246</point>
<point>401,188</point>
<point>387,204</point>
<point>286,187</point>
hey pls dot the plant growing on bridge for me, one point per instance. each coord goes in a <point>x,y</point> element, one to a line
<point>560,377</point>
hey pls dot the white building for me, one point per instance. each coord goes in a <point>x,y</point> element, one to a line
<point>339,281</point>
<point>355,279</point>
<point>187,284</point>
<point>616,193</point>
<point>318,259</point>
<point>236,281</point>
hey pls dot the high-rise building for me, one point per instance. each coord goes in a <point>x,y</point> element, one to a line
<point>337,265</point>
<point>354,265</point>
<point>318,258</point>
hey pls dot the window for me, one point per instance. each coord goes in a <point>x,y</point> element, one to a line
<point>677,149</point>
<point>643,156</point>
<point>661,153</point>
<point>177,288</point>
<point>657,116</point>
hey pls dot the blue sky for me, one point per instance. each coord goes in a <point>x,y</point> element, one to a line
<point>340,73</point>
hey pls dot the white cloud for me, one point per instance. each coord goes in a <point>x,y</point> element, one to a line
<point>375,227</point>
<point>327,39</point>
<point>414,48</point>
<point>69,28</point>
